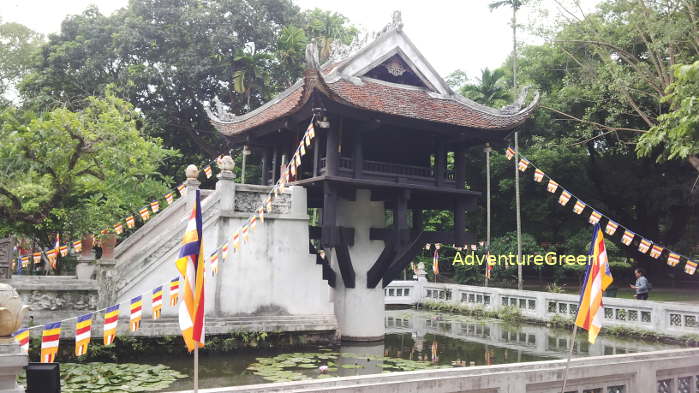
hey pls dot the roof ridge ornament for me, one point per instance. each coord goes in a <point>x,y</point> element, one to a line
<point>396,24</point>
<point>518,103</point>
<point>220,113</point>
<point>312,60</point>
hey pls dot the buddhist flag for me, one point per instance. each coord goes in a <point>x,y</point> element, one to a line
<point>627,238</point>
<point>111,319</point>
<point>130,222</point>
<point>268,204</point>
<point>261,214</point>
<point>690,267</point>
<point>24,261</point>
<point>253,222</point>
<point>145,214</point>
<point>523,164</point>
<point>552,186</point>
<point>307,139</point>
<point>509,153</point>
<point>136,312</point>
<point>245,233</point>
<point>118,228</point>
<point>643,246</point>
<point>37,257</point>
<point>208,171</point>
<point>181,188</point>
<point>174,291</point>
<point>297,157</point>
<point>564,198</point>
<point>224,252</point>
<point>191,267</point>
<point>673,259</point>
<point>538,175</point>
<point>169,197</point>
<point>435,261</point>
<point>275,189</point>
<point>213,259</point>
<point>611,228</point>
<point>83,329</point>
<point>311,131</point>
<point>157,302</point>
<point>578,207</point>
<point>236,241</point>
<point>52,256</point>
<point>595,217</point>
<point>597,278</point>
<point>49,342</point>
<point>77,246</point>
<point>155,206</point>
<point>655,251</point>
<point>293,169</point>
<point>302,149</point>
<point>22,338</point>
<point>63,250</point>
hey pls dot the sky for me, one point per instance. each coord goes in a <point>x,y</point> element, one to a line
<point>451,34</point>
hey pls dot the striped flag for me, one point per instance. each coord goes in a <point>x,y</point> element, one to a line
<point>118,228</point>
<point>673,259</point>
<point>155,206</point>
<point>213,259</point>
<point>157,302</point>
<point>538,175</point>
<point>208,171</point>
<point>253,223</point>
<point>111,320</point>
<point>181,188</point>
<point>690,267</point>
<point>145,214</point>
<point>509,153</point>
<point>130,222</point>
<point>292,167</point>
<point>595,216</point>
<point>564,198</point>
<point>523,164</point>
<point>275,189</point>
<point>37,257</point>
<point>22,338</point>
<point>611,227</point>
<point>245,233</point>
<point>191,267</point>
<point>174,293</point>
<point>297,157</point>
<point>655,251</point>
<point>268,204</point>
<point>83,329</point>
<point>236,241</point>
<point>136,312</point>
<point>597,278</point>
<point>63,250</point>
<point>224,252</point>
<point>52,256</point>
<point>307,139</point>
<point>77,246</point>
<point>24,261</point>
<point>552,186</point>
<point>579,207</point>
<point>627,238</point>
<point>435,261</point>
<point>311,131</point>
<point>169,197</point>
<point>643,246</point>
<point>302,149</point>
<point>49,342</point>
<point>261,214</point>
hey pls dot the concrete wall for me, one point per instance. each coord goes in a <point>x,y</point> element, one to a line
<point>667,317</point>
<point>652,372</point>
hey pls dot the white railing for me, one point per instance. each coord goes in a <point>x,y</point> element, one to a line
<point>674,318</point>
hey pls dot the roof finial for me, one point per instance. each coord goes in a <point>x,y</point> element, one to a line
<point>396,23</point>
<point>312,60</point>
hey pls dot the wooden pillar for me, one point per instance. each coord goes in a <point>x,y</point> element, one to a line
<point>459,167</point>
<point>327,239</point>
<point>266,164</point>
<point>460,222</point>
<point>316,155</point>
<point>331,149</point>
<point>275,164</point>
<point>440,162</point>
<point>417,220</point>
<point>400,218</point>
<point>357,155</point>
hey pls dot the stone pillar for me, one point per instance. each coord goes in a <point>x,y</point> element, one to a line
<point>191,184</point>
<point>360,310</point>
<point>12,363</point>
<point>106,281</point>
<point>226,183</point>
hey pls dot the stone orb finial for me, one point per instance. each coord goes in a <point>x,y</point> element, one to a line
<point>11,310</point>
<point>192,172</point>
<point>226,163</point>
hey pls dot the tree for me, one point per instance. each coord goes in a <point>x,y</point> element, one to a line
<point>515,5</point>
<point>76,172</point>
<point>329,29</point>
<point>251,73</point>
<point>490,90</point>
<point>18,44</point>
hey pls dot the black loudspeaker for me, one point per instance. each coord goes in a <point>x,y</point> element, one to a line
<point>43,378</point>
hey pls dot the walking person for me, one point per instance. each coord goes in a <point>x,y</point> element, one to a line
<point>642,286</point>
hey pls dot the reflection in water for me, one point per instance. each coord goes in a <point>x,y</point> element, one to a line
<point>414,340</point>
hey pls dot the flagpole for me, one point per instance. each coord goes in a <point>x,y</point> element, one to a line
<point>487,150</point>
<point>570,355</point>
<point>196,368</point>
<point>519,217</point>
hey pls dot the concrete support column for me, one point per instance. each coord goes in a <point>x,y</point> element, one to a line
<point>12,363</point>
<point>360,310</point>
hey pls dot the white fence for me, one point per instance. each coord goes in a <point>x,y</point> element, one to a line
<point>671,318</point>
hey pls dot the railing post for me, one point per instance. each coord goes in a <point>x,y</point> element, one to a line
<point>191,184</point>
<point>226,183</point>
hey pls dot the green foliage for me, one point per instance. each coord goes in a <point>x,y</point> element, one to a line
<point>491,89</point>
<point>677,131</point>
<point>76,172</point>
<point>18,44</point>
<point>329,29</point>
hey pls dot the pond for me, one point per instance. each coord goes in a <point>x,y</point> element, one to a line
<point>414,340</point>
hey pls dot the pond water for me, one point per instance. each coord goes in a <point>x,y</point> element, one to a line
<point>414,340</point>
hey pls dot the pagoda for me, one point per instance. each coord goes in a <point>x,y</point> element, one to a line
<point>385,123</point>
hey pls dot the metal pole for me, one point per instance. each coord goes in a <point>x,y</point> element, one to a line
<point>570,355</point>
<point>196,368</point>
<point>242,173</point>
<point>487,150</point>
<point>520,283</point>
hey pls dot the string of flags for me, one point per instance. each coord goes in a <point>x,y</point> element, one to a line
<point>51,332</point>
<point>657,251</point>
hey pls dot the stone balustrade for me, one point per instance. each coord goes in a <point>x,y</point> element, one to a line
<point>676,319</point>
